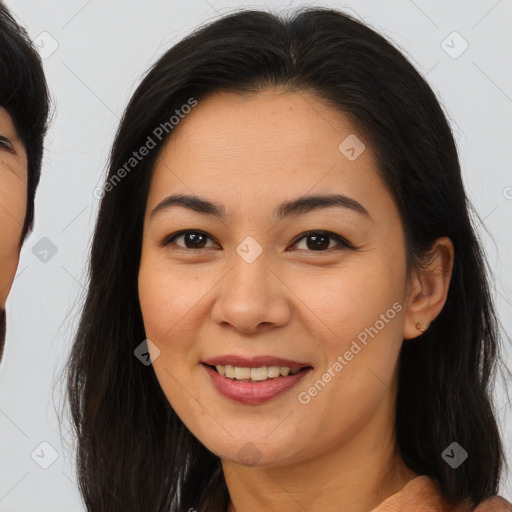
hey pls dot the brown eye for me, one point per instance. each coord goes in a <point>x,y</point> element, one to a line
<point>192,239</point>
<point>318,241</point>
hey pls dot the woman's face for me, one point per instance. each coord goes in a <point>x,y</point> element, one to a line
<point>13,201</point>
<point>252,286</point>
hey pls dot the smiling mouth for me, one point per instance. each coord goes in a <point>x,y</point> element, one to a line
<point>258,374</point>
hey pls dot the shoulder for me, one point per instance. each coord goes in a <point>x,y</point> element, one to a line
<point>494,504</point>
<point>423,494</point>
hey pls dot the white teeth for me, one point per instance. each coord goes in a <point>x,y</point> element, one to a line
<point>259,373</point>
<point>273,372</point>
<point>256,374</point>
<point>242,373</point>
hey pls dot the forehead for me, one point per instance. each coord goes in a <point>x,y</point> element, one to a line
<point>267,123</point>
<point>6,122</point>
<point>267,145</point>
<point>6,119</point>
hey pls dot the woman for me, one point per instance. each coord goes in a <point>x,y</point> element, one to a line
<point>284,235</point>
<point>24,108</point>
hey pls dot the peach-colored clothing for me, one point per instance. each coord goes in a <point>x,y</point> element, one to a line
<point>421,494</point>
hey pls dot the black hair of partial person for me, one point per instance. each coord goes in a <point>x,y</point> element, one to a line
<point>24,95</point>
<point>133,451</point>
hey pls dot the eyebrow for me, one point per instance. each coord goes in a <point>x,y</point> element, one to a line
<point>297,206</point>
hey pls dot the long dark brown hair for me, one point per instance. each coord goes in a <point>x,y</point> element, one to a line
<point>133,451</point>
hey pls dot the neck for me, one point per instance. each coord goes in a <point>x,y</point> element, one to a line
<point>355,476</point>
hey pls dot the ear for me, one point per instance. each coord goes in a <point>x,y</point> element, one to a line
<point>428,288</point>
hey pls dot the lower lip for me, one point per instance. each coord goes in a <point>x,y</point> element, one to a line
<point>253,392</point>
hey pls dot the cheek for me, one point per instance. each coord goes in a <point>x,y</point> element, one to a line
<point>13,206</point>
<point>157,301</point>
<point>361,340</point>
<point>168,296</point>
<point>358,318</point>
<point>340,305</point>
<point>171,300</point>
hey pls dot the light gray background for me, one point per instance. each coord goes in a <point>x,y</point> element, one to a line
<point>103,50</point>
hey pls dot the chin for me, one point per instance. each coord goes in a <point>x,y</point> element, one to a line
<point>255,451</point>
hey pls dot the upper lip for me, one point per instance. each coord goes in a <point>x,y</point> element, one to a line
<point>253,362</point>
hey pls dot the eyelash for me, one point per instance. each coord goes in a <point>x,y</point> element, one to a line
<point>6,143</point>
<point>169,239</point>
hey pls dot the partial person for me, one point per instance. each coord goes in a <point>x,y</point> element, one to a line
<point>285,235</point>
<point>24,113</point>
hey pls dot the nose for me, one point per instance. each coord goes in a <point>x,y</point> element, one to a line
<point>252,297</point>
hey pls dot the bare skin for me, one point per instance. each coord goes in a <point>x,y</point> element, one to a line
<point>13,201</point>
<point>337,450</point>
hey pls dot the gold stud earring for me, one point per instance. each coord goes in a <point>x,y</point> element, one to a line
<point>418,326</point>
